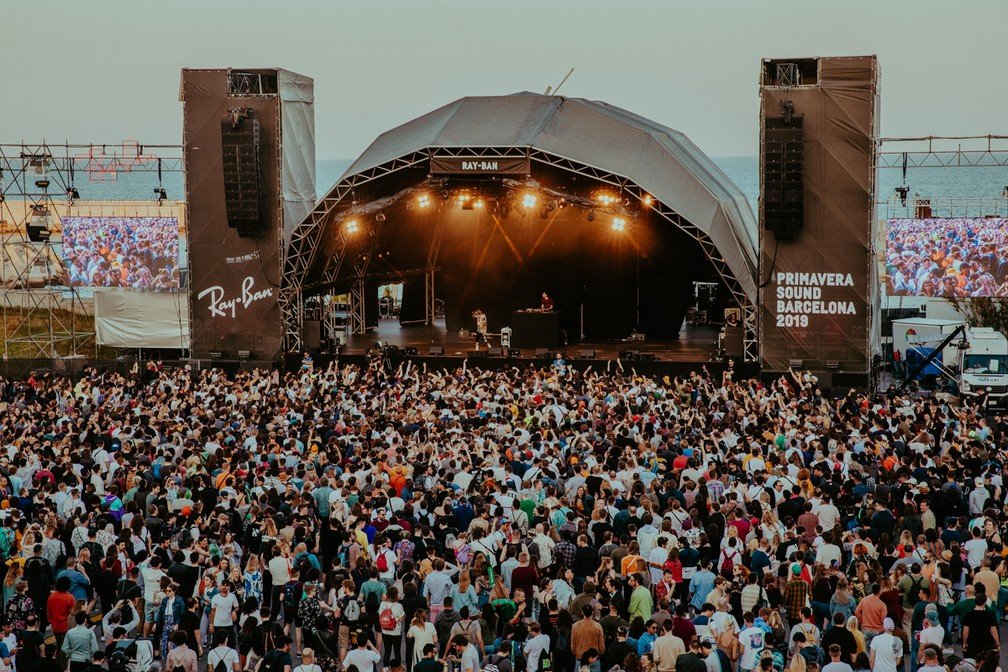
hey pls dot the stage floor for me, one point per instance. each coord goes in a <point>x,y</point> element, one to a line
<point>695,344</point>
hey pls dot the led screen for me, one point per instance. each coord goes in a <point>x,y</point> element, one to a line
<point>133,252</point>
<point>947,257</point>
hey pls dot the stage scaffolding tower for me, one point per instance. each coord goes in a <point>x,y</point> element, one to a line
<point>43,317</point>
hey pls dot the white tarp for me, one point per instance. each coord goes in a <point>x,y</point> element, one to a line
<point>131,319</point>
<point>297,111</point>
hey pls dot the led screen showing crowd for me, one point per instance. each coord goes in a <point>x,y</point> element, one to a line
<point>947,257</point>
<point>131,252</point>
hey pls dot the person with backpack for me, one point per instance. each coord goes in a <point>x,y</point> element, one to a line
<point>278,659</point>
<point>289,600</point>
<point>536,649</point>
<point>308,663</point>
<point>371,593</point>
<point>181,658</point>
<point>390,621</point>
<point>348,615</point>
<point>444,623</point>
<point>385,562</point>
<point>222,658</point>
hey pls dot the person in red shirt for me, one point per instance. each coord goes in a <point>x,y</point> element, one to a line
<point>58,609</point>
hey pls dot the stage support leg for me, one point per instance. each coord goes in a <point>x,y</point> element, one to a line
<point>358,308</point>
<point>429,306</point>
<point>750,340</point>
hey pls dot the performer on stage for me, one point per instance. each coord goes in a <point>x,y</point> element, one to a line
<point>547,303</point>
<point>481,326</point>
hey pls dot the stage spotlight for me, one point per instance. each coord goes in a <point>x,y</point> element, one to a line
<point>605,198</point>
<point>479,204</point>
<point>648,201</point>
<point>528,201</point>
<point>72,194</point>
<point>902,192</point>
<point>160,194</point>
<point>424,200</point>
<point>591,215</point>
<point>42,184</point>
<point>618,224</point>
<point>380,217</point>
<point>352,226</point>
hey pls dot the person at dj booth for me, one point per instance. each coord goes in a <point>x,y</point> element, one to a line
<point>546,303</point>
<point>481,327</point>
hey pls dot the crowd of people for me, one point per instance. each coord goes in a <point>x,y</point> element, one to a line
<point>371,519</point>
<point>946,257</point>
<point>132,252</point>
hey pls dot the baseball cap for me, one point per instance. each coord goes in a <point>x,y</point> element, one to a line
<point>888,624</point>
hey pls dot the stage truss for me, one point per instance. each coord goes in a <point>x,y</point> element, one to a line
<point>306,238</point>
<point>42,317</point>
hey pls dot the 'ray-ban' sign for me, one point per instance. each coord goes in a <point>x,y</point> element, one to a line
<point>477,165</point>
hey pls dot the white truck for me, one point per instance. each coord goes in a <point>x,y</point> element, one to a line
<point>976,360</point>
<point>983,364</point>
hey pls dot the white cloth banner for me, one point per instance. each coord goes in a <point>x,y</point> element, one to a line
<point>131,319</point>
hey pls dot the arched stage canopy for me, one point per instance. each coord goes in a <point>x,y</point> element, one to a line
<point>591,139</point>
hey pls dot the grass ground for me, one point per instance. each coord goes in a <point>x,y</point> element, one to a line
<point>18,325</point>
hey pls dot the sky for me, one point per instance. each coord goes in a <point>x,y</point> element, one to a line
<point>103,71</point>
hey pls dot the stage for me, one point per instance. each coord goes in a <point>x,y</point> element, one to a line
<point>695,344</point>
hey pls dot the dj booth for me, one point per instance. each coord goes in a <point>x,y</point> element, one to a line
<point>535,329</point>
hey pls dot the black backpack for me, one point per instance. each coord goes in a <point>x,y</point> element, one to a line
<point>118,661</point>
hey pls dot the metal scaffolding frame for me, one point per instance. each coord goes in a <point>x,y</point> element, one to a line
<point>40,314</point>
<point>307,237</point>
<point>939,151</point>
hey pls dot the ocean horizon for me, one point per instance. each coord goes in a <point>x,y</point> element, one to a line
<point>969,191</point>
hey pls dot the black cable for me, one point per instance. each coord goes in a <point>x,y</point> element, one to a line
<point>773,264</point>
<point>262,266</point>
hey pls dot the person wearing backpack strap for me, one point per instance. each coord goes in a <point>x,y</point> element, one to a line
<point>308,663</point>
<point>364,656</point>
<point>277,660</point>
<point>181,658</point>
<point>390,620</point>
<point>222,658</point>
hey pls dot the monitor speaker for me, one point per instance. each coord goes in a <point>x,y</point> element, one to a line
<point>783,176</point>
<point>242,174</point>
<point>436,350</point>
<point>495,352</point>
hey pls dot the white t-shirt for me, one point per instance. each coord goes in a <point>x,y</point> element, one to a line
<point>151,581</point>
<point>397,612</point>
<point>534,648</point>
<point>223,606</point>
<point>279,568</point>
<point>752,639</point>
<point>366,660</point>
<point>225,653</point>
<point>888,650</point>
<point>975,550</point>
<point>657,556</point>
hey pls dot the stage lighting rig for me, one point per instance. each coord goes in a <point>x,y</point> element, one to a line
<point>591,215</point>
<point>42,184</point>
<point>160,194</point>
<point>529,200</point>
<point>72,194</point>
<point>618,224</point>
<point>424,200</point>
<point>352,226</point>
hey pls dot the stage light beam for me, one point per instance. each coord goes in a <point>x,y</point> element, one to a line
<point>529,201</point>
<point>618,224</point>
<point>352,226</point>
<point>424,200</point>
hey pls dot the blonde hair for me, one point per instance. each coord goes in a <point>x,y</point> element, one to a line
<point>252,564</point>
